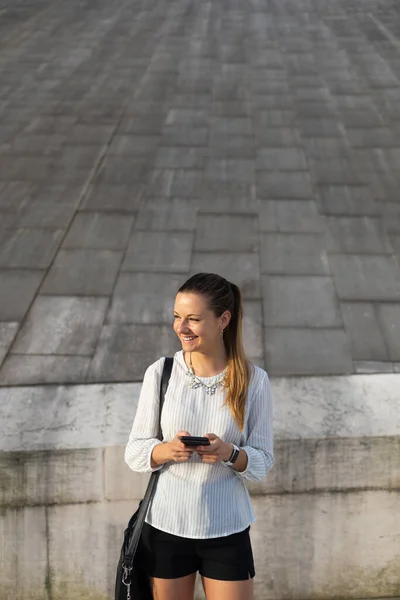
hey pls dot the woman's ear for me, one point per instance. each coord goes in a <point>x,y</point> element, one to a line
<point>225,319</point>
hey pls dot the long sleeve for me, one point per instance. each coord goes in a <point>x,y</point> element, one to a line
<point>259,443</point>
<point>143,435</point>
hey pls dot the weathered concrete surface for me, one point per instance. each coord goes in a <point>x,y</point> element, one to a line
<point>327,515</point>
<point>140,143</point>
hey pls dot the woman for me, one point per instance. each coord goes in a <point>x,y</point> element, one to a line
<point>201,512</point>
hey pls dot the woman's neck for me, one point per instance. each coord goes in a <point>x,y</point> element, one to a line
<point>207,365</point>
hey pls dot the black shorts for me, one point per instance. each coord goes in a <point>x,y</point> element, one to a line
<point>167,556</point>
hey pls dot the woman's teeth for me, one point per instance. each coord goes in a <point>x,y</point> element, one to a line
<point>189,339</point>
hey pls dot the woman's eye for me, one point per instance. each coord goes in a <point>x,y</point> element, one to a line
<point>196,320</point>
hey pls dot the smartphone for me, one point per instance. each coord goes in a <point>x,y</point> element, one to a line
<point>191,440</point>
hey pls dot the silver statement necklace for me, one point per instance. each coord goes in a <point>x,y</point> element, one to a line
<point>196,382</point>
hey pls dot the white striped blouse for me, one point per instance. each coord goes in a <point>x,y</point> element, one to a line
<point>196,499</point>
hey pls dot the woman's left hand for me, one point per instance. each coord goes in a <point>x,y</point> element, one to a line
<point>218,450</point>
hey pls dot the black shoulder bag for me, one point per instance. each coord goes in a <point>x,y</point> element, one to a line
<point>131,583</point>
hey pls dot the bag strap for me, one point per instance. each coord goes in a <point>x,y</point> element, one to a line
<point>144,505</point>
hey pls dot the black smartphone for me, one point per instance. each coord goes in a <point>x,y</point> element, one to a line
<point>192,440</point>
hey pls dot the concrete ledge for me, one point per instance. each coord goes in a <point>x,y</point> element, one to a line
<point>92,475</point>
<point>94,416</point>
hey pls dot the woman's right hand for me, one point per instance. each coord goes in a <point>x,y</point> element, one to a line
<point>178,451</point>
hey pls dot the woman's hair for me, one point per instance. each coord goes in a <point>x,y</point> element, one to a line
<point>221,296</point>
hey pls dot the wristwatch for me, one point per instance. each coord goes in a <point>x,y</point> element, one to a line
<point>233,457</point>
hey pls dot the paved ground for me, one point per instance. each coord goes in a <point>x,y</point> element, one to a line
<point>144,141</point>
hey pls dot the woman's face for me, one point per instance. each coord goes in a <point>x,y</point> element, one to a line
<point>196,325</point>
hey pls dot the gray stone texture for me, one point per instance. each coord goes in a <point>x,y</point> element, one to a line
<point>304,302</point>
<point>61,325</point>
<point>83,273</point>
<point>99,231</point>
<point>293,254</point>
<point>159,251</point>
<point>259,142</point>
<point>17,290</point>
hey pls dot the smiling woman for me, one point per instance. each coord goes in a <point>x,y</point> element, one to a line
<point>201,512</point>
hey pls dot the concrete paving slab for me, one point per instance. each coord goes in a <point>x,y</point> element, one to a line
<point>159,251</point>
<point>122,198</point>
<point>30,248</point>
<point>62,325</point>
<point>24,369</point>
<point>144,298</point>
<point>8,332</point>
<point>99,231</point>
<point>17,290</point>
<point>226,233</point>
<point>354,235</point>
<point>389,318</point>
<point>290,216</point>
<point>83,273</point>
<point>294,351</point>
<point>358,277</point>
<point>293,254</point>
<point>300,302</point>
<point>364,331</point>
<point>167,214</point>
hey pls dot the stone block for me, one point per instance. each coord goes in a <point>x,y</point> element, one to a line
<point>290,216</point>
<point>300,302</point>
<point>83,272</point>
<point>159,251</point>
<point>114,169</point>
<point>180,157</point>
<point>253,329</point>
<point>237,233</point>
<point>120,482</point>
<point>231,146</point>
<point>17,290</point>
<point>62,325</point>
<point>360,118</point>
<point>193,117</point>
<point>144,298</point>
<point>184,135</point>
<point>125,351</point>
<point>121,198</point>
<point>231,126</point>
<point>82,156</point>
<point>370,137</point>
<point>25,168</point>
<point>7,334</point>
<point>293,254</point>
<point>279,137</point>
<point>333,464</point>
<point>180,183</point>
<point>86,133</point>
<point>365,334</point>
<point>13,194</point>
<point>230,169</point>
<point>30,248</point>
<point>350,548</point>
<point>99,231</point>
<point>366,277</point>
<point>167,214</point>
<point>294,351</point>
<point>317,127</point>
<point>23,562</point>
<point>281,159</point>
<point>389,318</point>
<point>323,148</point>
<point>346,200</point>
<point>43,369</point>
<point>45,215</point>
<point>123,145</point>
<point>51,477</point>
<point>242,268</point>
<point>356,235</point>
<point>369,367</point>
<point>285,185</point>
<point>227,202</point>
<point>264,119</point>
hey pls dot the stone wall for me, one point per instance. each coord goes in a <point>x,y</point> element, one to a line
<point>327,515</point>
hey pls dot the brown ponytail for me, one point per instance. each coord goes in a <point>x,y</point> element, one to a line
<point>222,296</point>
